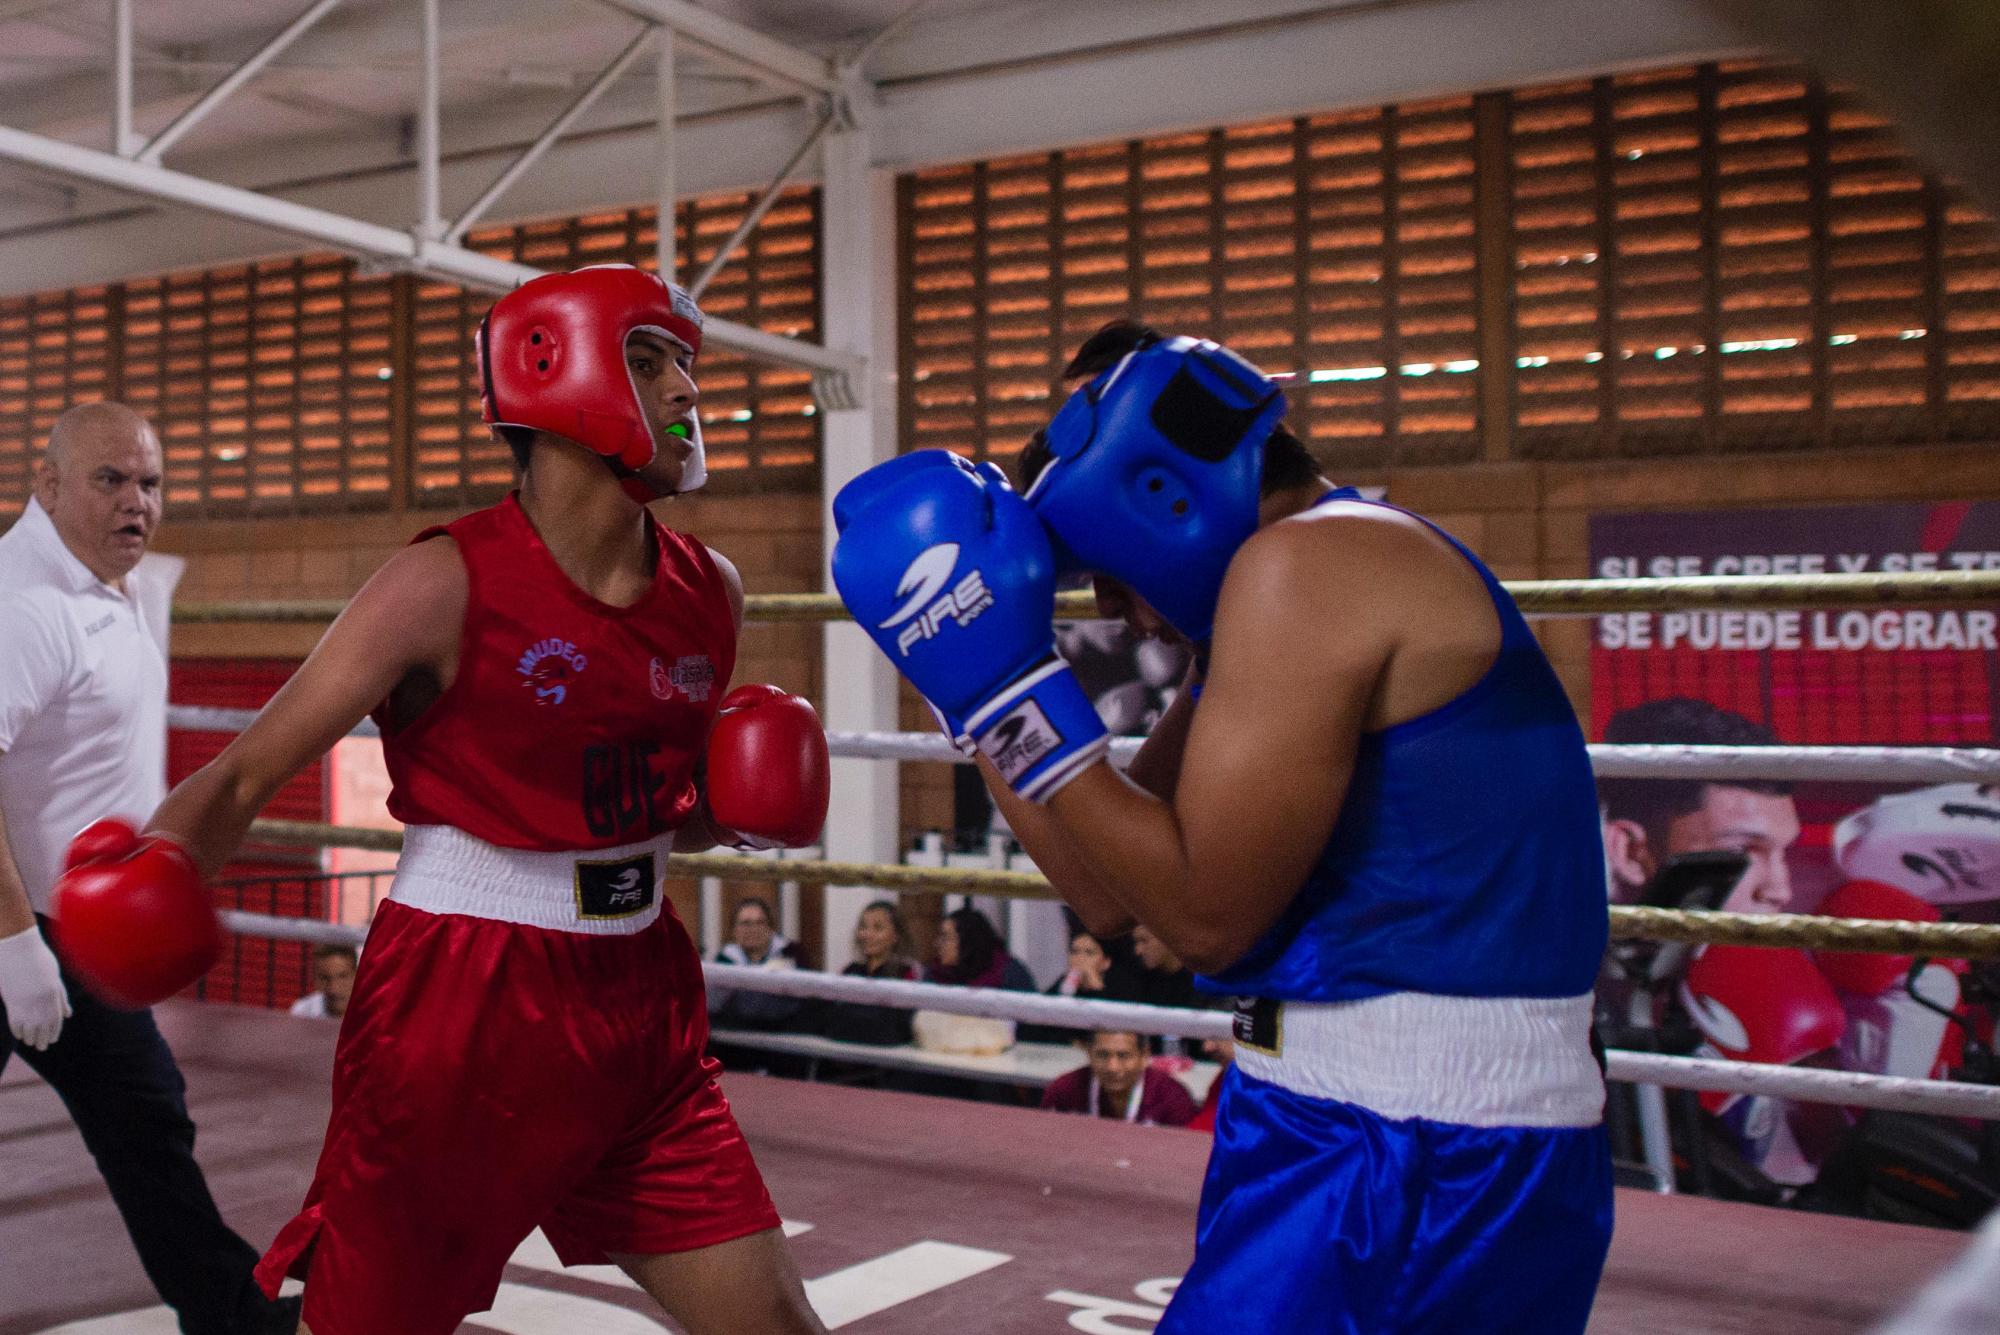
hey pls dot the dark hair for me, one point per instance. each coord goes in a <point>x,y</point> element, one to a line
<point>889,907</point>
<point>330,951</point>
<point>1133,1034</point>
<point>978,944</point>
<point>1287,461</point>
<point>770,918</point>
<point>1109,346</point>
<point>1677,721</point>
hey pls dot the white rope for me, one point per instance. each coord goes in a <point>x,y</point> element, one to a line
<point>1891,1093</point>
<point>208,718</point>
<point>1852,764</point>
<point>310,930</point>
<point>989,1002</point>
<point>1807,1084</point>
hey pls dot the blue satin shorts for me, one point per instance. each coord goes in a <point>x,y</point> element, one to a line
<point>1320,1216</point>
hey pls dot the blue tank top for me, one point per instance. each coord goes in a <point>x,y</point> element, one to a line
<point>1468,857</point>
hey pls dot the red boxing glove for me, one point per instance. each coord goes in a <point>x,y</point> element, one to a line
<point>1757,1005</point>
<point>768,772</point>
<point>100,841</point>
<point>1870,975</point>
<point>131,917</point>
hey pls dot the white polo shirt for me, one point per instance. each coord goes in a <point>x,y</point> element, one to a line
<point>83,695</point>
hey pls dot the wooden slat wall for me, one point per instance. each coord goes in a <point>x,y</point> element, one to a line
<point>1737,258</point>
<point>55,350</point>
<point>269,385</point>
<point>1720,258</point>
<point>300,386</point>
<point>1336,246</point>
<point>1965,361</point>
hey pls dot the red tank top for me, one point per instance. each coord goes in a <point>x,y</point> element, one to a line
<point>571,724</point>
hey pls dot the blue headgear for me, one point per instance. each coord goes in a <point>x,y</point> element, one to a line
<point>1155,472</point>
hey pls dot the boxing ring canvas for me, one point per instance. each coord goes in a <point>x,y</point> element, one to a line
<point>908,1214</point>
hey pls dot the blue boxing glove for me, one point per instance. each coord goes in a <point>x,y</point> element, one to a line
<point>952,575</point>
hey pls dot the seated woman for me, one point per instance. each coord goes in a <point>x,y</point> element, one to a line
<point>1092,976</point>
<point>880,940</point>
<point>756,941</point>
<point>970,954</point>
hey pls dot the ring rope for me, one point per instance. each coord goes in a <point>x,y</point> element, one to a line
<point>1848,764</point>
<point>1800,931</point>
<point>1851,764</point>
<point>1536,597</point>
<point>1892,1093</point>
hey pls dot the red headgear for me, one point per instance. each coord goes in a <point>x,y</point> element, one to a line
<point>552,358</point>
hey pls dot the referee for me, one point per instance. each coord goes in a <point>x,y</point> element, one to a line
<point>83,691</point>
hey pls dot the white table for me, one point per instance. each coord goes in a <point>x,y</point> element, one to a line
<point>1030,1065</point>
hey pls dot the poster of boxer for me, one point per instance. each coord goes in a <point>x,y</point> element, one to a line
<point>1903,676</point>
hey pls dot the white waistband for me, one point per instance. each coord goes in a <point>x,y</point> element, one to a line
<point>1472,1061</point>
<point>445,870</point>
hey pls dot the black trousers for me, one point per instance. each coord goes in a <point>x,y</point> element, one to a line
<point>126,1095</point>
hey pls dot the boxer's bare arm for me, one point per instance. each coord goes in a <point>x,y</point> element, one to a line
<point>1303,665</point>
<point>1056,857</point>
<point>404,624</point>
<point>732,584</point>
<point>698,835</point>
<point>1156,769</point>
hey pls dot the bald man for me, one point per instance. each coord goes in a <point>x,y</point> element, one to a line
<point>83,693</point>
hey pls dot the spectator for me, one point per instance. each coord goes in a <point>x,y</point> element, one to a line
<point>1120,1083</point>
<point>969,954</point>
<point>758,943</point>
<point>333,970</point>
<point>881,940</point>
<point>1092,976</point>
<point>83,697</point>
<point>1222,1051</point>
<point>754,939</point>
<point>1163,979</point>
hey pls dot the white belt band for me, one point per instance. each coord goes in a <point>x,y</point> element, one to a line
<point>445,870</point>
<point>1471,1061</point>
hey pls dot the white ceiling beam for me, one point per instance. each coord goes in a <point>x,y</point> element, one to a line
<point>1302,62</point>
<point>919,121</point>
<point>547,139</point>
<point>156,148</point>
<point>356,237</point>
<point>748,223</point>
<point>121,76</point>
<point>737,43</point>
<point>666,157</point>
<point>430,125</point>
